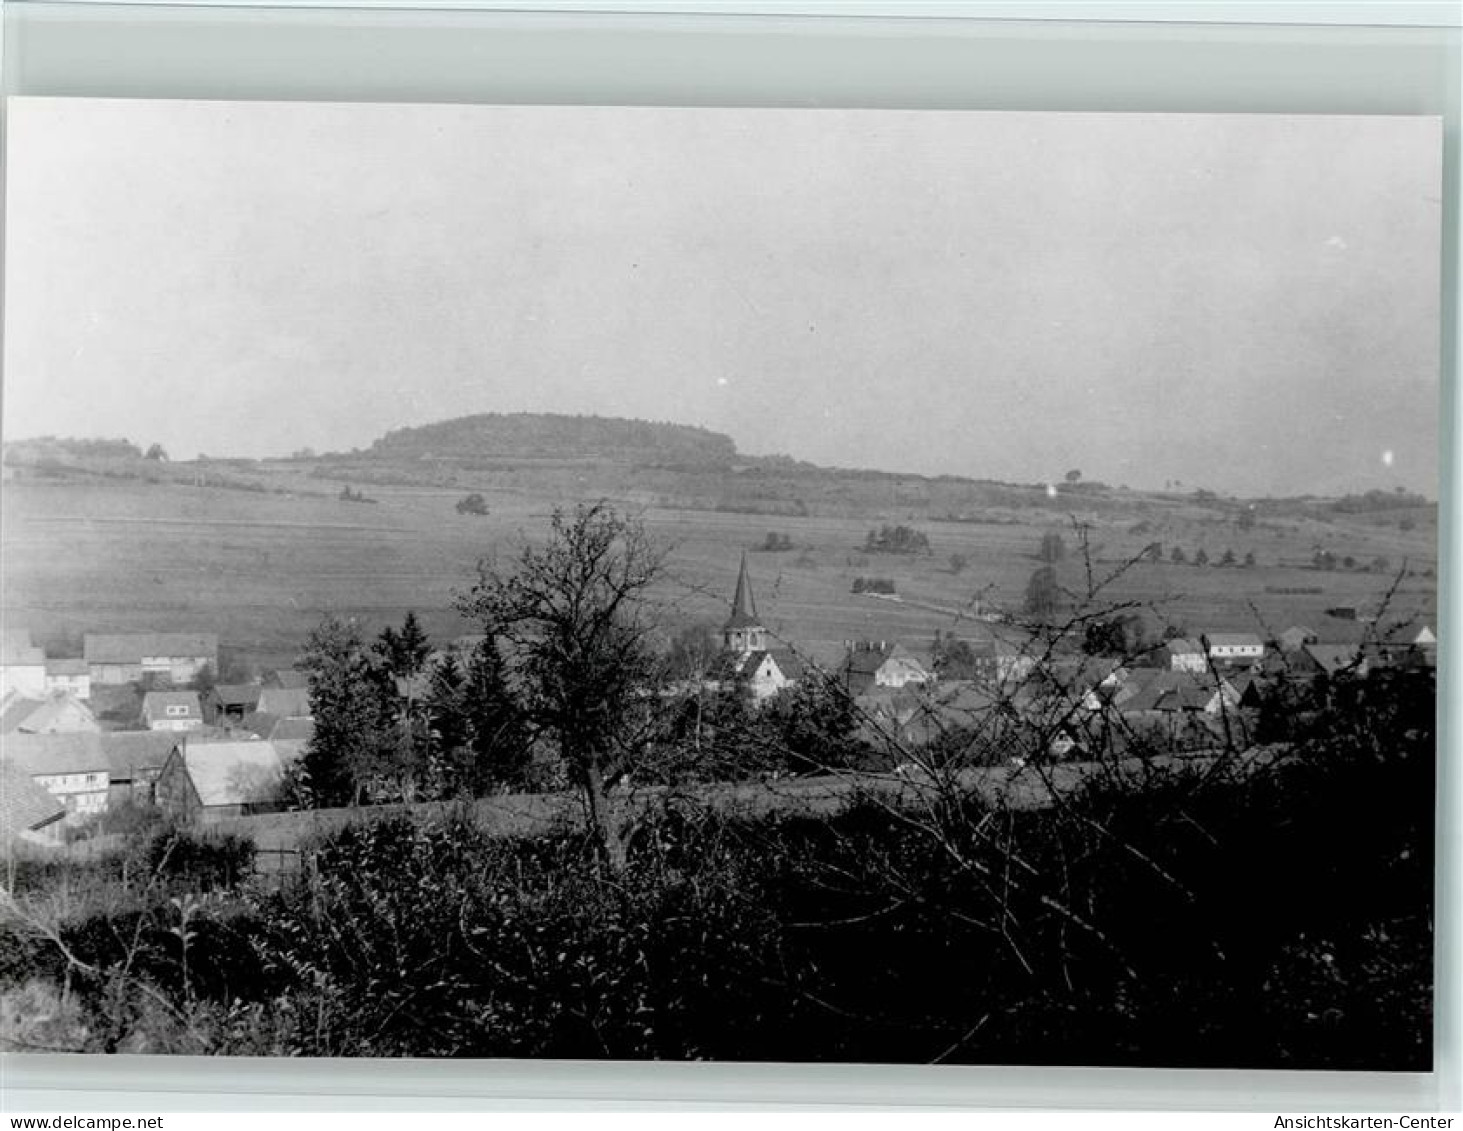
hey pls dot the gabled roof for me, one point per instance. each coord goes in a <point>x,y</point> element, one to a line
<point>1233,640</point>
<point>237,694</point>
<point>66,667</point>
<point>133,752</point>
<point>233,773</point>
<point>1183,646</point>
<point>24,805</point>
<point>39,715</point>
<point>286,702</point>
<point>1296,635</point>
<point>744,605</point>
<point>130,647</point>
<point>121,753</point>
<point>293,730</point>
<point>1172,691</point>
<point>1334,658</point>
<point>157,702</point>
<point>57,753</point>
<point>787,663</point>
<point>258,723</point>
<point>286,678</point>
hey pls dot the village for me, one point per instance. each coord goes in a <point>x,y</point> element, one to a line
<point>141,719</point>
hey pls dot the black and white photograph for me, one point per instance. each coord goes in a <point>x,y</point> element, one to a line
<point>928,587</point>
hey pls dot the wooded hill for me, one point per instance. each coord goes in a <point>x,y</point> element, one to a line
<point>553,437</point>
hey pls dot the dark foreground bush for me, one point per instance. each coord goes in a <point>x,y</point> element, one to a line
<point>1217,915</point>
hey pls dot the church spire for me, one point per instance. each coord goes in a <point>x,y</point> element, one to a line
<point>743,632</point>
<point>744,606</point>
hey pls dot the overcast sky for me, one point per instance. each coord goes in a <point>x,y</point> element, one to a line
<point>1245,303</point>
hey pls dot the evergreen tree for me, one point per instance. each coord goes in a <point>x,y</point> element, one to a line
<point>404,653</point>
<point>354,745</point>
<point>496,739</point>
<point>446,705</point>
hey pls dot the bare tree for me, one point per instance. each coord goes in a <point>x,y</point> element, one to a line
<point>578,647</point>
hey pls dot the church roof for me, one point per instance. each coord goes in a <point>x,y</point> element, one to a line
<point>744,606</point>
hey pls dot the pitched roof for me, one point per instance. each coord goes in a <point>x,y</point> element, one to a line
<point>121,753</point>
<point>1233,640</point>
<point>1334,658</point>
<point>258,723</point>
<point>787,663</point>
<point>24,805</point>
<point>293,730</point>
<point>1183,646</point>
<point>155,702</point>
<point>233,773</point>
<point>744,605</point>
<point>39,715</point>
<point>286,702</point>
<point>237,694</point>
<point>131,752</point>
<point>286,678</point>
<point>1171,691</point>
<point>66,667</point>
<point>130,647</point>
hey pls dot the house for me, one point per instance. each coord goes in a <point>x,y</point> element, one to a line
<point>1233,647</point>
<point>1153,690</point>
<point>1337,659</point>
<point>1296,637</point>
<point>232,701</point>
<point>135,759</point>
<point>90,772</point>
<point>1185,655</point>
<point>176,657</point>
<point>286,678</point>
<point>29,813</point>
<point>172,710</point>
<point>208,780</point>
<point>747,658</point>
<point>1002,663</point>
<point>766,672</point>
<point>73,770</point>
<point>285,702</point>
<point>69,675</point>
<point>22,664</point>
<point>872,665</point>
<point>60,712</point>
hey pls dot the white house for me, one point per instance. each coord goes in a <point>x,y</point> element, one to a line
<point>877,665</point>
<point>764,671</point>
<point>768,671</point>
<point>172,710</point>
<point>1185,655</point>
<point>1234,647</point>
<point>72,768</point>
<point>69,675</point>
<point>22,664</point>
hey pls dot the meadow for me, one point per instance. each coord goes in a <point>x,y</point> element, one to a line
<point>260,568</point>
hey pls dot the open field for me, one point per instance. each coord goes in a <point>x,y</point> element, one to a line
<point>260,568</point>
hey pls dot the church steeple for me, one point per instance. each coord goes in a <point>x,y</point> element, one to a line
<point>743,632</point>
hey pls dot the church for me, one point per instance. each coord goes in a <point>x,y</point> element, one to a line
<point>764,671</point>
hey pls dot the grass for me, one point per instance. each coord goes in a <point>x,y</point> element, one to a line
<point>89,555</point>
